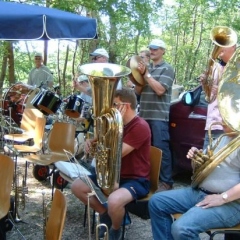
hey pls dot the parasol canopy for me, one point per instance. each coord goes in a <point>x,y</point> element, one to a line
<point>20,21</point>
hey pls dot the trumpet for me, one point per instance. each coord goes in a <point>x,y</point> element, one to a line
<point>222,37</point>
<point>20,199</point>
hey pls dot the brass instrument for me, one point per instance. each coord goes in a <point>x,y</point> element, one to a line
<point>19,198</point>
<point>228,102</point>
<point>222,37</point>
<point>135,77</point>
<point>108,125</point>
<point>98,225</point>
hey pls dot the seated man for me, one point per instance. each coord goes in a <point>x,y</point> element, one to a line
<point>215,203</point>
<point>135,167</point>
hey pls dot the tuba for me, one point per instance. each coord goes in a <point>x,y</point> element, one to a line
<point>222,37</point>
<point>108,125</point>
<point>228,102</point>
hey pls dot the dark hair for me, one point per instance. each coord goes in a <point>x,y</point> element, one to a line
<point>127,95</point>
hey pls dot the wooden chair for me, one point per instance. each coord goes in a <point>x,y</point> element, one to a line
<point>61,138</point>
<point>214,231</point>
<point>6,178</point>
<point>27,126</point>
<point>155,162</point>
<point>57,216</point>
<point>40,123</point>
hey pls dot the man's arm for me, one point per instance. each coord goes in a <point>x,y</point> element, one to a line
<point>126,149</point>
<point>156,86</point>
<point>81,88</point>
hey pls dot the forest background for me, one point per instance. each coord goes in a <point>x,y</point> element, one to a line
<point>124,28</point>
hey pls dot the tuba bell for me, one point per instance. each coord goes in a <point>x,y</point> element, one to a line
<point>228,102</point>
<point>222,37</point>
<point>108,125</point>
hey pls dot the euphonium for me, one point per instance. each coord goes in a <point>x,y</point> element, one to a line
<point>221,36</point>
<point>108,126</point>
<point>228,99</point>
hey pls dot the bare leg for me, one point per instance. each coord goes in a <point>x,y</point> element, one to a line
<point>81,190</point>
<point>116,206</point>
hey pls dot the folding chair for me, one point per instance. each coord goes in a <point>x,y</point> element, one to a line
<point>57,216</point>
<point>6,179</point>
<point>61,138</point>
<point>27,126</point>
<point>214,231</point>
<point>133,207</point>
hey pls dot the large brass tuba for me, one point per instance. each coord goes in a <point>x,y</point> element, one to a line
<point>228,102</point>
<point>221,36</point>
<point>108,125</point>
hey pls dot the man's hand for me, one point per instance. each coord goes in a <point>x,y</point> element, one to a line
<point>212,200</point>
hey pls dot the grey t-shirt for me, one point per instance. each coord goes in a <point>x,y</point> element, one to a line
<point>226,174</point>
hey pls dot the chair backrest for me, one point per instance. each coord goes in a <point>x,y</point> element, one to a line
<point>57,216</point>
<point>62,137</point>
<point>39,131</point>
<point>155,162</point>
<point>29,118</point>
<point>6,178</point>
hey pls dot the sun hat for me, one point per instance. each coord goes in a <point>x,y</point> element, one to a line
<point>157,43</point>
<point>82,78</point>
<point>100,51</point>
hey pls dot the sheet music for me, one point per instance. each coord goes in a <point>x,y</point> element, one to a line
<point>81,172</point>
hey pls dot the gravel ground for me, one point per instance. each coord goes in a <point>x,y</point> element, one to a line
<point>32,217</point>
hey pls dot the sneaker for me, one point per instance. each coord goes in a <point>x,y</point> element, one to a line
<point>104,219</point>
<point>163,187</point>
<point>115,234</point>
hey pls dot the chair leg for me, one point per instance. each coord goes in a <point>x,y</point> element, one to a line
<point>93,222</point>
<point>85,219</point>
<point>85,216</point>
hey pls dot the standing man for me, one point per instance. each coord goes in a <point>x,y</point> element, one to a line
<point>83,81</point>
<point>40,75</point>
<point>155,105</point>
<point>100,55</point>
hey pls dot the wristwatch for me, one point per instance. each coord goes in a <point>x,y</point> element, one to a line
<point>224,196</point>
<point>148,75</point>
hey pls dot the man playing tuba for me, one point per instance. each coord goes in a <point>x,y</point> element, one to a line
<point>135,167</point>
<point>214,203</point>
<point>213,114</point>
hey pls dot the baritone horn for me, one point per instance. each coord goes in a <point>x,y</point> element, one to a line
<point>108,125</point>
<point>222,37</point>
<point>228,102</point>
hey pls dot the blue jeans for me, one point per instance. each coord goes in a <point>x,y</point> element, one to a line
<point>161,139</point>
<point>195,220</point>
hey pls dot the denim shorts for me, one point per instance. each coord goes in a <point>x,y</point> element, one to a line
<point>138,187</point>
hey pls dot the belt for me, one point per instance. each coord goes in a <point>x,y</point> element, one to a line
<point>206,191</point>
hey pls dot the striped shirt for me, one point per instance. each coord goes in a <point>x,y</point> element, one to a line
<point>152,106</point>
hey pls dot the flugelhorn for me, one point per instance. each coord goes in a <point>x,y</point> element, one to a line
<point>222,37</point>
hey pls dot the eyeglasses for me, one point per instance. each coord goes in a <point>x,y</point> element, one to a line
<point>96,58</point>
<point>117,104</point>
<point>38,58</point>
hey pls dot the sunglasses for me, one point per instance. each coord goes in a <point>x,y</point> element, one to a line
<point>96,58</point>
<point>38,58</point>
